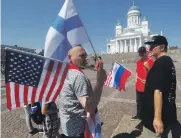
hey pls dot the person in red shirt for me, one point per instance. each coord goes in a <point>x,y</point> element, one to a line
<point>144,64</point>
<point>99,62</point>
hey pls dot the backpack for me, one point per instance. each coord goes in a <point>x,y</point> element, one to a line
<point>36,114</point>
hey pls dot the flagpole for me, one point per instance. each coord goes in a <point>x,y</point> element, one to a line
<point>88,36</point>
<point>36,55</point>
<point>91,45</point>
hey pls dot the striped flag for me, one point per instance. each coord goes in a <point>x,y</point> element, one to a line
<point>109,79</point>
<point>118,77</point>
<point>67,31</point>
<point>93,126</point>
<point>149,53</point>
<point>31,78</point>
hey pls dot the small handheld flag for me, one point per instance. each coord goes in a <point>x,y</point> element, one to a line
<point>118,77</point>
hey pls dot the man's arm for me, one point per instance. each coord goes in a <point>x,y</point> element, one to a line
<point>93,101</point>
<point>137,71</point>
<point>97,66</point>
<point>136,78</point>
<point>147,66</point>
<point>44,109</point>
<point>157,123</point>
<point>90,102</point>
<point>158,104</point>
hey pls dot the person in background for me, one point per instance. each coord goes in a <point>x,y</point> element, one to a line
<point>99,63</point>
<point>51,123</point>
<point>77,96</point>
<point>143,65</point>
<point>159,114</point>
<point>95,60</point>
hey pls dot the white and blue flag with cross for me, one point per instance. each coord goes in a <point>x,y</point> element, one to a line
<point>67,31</point>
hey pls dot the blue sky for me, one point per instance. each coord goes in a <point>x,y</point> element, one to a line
<point>26,22</point>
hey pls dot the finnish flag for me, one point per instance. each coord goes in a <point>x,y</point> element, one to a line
<point>67,31</point>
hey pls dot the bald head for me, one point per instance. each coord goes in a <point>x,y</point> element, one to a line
<point>77,55</point>
<point>75,50</point>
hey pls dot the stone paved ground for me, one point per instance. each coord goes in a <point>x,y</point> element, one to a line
<point>115,109</point>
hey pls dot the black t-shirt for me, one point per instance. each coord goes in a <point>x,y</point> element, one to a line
<point>162,76</point>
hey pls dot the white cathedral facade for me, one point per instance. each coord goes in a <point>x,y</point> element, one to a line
<point>129,39</point>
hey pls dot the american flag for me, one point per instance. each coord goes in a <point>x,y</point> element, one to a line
<point>149,52</point>
<point>109,79</point>
<point>31,78</point>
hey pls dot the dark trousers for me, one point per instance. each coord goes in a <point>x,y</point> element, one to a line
<point>139,99</point>
<point>51,125</point>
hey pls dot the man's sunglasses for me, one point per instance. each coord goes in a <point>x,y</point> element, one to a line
<point>153,46</point>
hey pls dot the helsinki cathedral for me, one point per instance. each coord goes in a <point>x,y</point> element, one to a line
<point>132,37</point>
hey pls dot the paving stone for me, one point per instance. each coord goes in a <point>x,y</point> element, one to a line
<point>111,114</point>
<point>113,108</point>
<point>122,126</point>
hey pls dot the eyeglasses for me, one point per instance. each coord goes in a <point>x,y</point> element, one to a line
<point>153,46</point>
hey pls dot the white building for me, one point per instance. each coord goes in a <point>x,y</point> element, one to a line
<point>129,39</point>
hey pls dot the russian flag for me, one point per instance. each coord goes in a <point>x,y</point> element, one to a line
<point>119,77</point>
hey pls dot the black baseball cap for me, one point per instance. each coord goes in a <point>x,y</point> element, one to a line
<point>157,40</point>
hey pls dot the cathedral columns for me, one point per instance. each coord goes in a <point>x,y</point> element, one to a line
<point>135,46</point>
<point>139,42</point>
<point>121,46</point>
<point>137,20</point>
<point>116,49</point>
<point>131,46</point>
<point>110,49</point>
<point>118,46</point>
<point>125,46</point>
<point>107,49</point>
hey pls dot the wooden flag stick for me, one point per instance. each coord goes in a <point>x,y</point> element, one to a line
<point>36,55</point>
<point>88,38</point>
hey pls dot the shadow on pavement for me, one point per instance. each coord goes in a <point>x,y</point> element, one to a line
<point>133,134</point>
